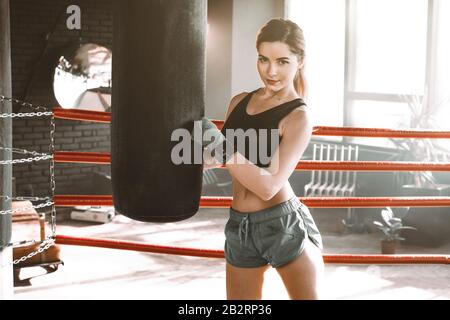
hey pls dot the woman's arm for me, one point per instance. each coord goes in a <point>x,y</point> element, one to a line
<point>267,182</point>
<point>210,162</point>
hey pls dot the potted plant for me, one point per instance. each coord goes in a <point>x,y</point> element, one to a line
<point>391,228</point>
<point>432,223</point>
<point>421,149</point>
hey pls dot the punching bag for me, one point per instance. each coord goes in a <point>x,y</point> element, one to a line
<point>158,86</point>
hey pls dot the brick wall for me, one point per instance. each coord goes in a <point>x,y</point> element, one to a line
<point>38,32</point>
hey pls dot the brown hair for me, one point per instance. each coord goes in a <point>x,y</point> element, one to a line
<point>288,32</point>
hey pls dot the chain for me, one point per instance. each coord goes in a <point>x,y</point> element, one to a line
<point>25,198</point>
<point>52,174</point>
<point>45,245</point>
<point>28,114</point>
<point>24,104</point>
<point>38,156</point>
<point>42,111</point>
<point>16,161</point>
<point>22,151</point>
<point>24,209</point>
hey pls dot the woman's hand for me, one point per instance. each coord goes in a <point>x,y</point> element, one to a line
<point>210,162</point>
<point>214,142</point>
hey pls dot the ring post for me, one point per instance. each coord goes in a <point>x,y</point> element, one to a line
<point>6,269</point>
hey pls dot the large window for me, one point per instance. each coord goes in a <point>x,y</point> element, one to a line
<point>389,40</point>
<point>372,61</point>
<point>323,25</point>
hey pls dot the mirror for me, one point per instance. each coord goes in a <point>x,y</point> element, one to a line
<point>82,78</point>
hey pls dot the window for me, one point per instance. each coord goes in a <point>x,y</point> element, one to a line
<point>389,43</point>
<point>368,59</point>
<point>323,25</point>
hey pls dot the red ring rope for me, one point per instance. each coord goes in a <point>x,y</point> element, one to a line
<point>105,158</point>
<point>313,202</point>
<point>82,157</point>
<point>208,253</point>
<point>378,132</point>
<point>82,115</point>
<point>105,117</point>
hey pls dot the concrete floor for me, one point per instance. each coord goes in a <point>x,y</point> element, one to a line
<point>94,273</point>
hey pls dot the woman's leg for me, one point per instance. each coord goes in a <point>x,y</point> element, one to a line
<point>244,283</point>
<point>303,276</point>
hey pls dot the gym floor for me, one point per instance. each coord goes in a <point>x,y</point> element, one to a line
<point>96,273</point>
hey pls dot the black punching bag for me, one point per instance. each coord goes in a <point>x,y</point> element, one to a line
<point>158,86</point>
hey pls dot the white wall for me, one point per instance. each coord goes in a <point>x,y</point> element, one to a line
<point>231,52</point>
<point>248,17</point>
<point>218,58</point>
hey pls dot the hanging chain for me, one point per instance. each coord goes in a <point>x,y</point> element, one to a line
<point>25,198</point>
<point>45,245</point>
<point>24,104</point>
<point>49,241</point>
<point>37,156</point>
<point>22,151</point>
<point>25,209</point>
<point>52,174</point>
<point>28,114</point>
<point>25,160</point>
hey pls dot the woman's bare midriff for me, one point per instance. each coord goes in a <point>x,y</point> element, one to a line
<point>246,201</point>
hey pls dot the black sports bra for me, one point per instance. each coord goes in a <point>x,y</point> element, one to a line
<point>263,124</point>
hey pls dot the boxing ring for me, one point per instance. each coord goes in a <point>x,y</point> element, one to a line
<point>225,202</point>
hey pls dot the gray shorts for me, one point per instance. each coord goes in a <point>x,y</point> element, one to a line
<point>274,236</point>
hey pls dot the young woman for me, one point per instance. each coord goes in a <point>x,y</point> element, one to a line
<point>268,225</point>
